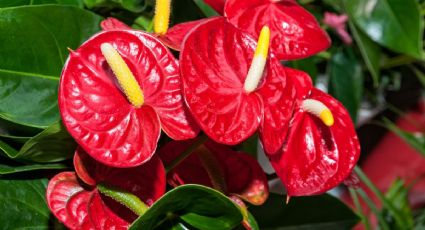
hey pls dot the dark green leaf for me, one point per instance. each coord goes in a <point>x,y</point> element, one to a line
<point>52,145</point>
<point>10,3</point>
<point>206,9</point>
<point>195,205</point>
<point>249,146</point>
<point>33,44</point>
<point>307,65</point>
<point>7,169</point>
<point>397,194</point>
<point>416,141</point>
<point>346,80</point>
<point>136,6</point>
<point>395,24</point>
<point>371,52</point>
<point>314,212</point>
<point>23,204</point>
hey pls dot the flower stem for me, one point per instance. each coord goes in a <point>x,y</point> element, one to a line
<point>199,141</point>
<point>359,208</point>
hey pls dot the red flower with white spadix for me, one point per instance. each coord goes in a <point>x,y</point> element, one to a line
<point>117,91</point>
<point>232,91</point>
<point>321,148</point>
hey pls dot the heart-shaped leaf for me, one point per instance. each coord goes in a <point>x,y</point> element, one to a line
<point>24,204</point>
<point>11,169</point>
<point>295,33</point>
<point>314,212</point>
<point>30,73</point>
<point>386,23</point>
<point>197,206</point>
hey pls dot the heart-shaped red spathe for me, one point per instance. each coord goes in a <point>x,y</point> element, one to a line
<point>81,206</point>
<point>99,116</point>
<point>295,33</point>
<point>113,24</point>
<point>241,173</point>
<point>213,74</point>
<point>315,157</point>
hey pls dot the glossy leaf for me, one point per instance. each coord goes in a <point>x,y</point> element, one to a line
<point>385,22</point>
<point>7,169</point>
<point>25,203</point>
<point>219,167</point>
<point>199,206</point>
<point>11,3</point>
<point>99,116</point>
<point>371,52</point>
<point>316,157</point>
<point>131,5</point>
<point>346,80</point>
<point>210,7</point>
<point>213,75</point>
<point>295,32</point>
<point>30,76</point>
<point>314,212</point>
<point>52,145</point>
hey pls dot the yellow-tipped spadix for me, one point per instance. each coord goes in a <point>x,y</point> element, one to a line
<point>125,77</point>
<point>320,110</point>
<point>162,16</point>
<point>259,61</point>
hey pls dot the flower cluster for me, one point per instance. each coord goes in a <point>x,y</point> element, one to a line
<point>122,87</point>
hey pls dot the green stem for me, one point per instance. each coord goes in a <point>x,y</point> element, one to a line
<point>398,61</point>
<point>125,198</point>
<point>199,141</point>
<point>381,197</point>
<point>359,208</point>
<point>382,222</point>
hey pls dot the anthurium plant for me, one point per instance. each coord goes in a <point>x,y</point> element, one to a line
<point>129,114</point>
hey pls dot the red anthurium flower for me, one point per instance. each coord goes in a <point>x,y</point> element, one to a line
<point>217,5</point>
<point>114,24</point>
<point>81,206</point>
<point>116,93</point>
<point>176,34</point>
<point>321,147</point>
<point>295,32</point>
<point>230,97</point>
<point>217,166</point>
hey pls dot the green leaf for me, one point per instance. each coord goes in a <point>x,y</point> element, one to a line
<point>33,51</point>
<point>249,146</point>
<point>314,212</point>
<point>7,169</point>
<point>52,145</point>
<point>307,65</point>
<point>195,205</point>
<point>346,80</point>
<point>371,52</point>
<point>416,141</point>
<point>136,6</point>
<point>10,3</point>
<point>397,194</point>
<point>23,204</point>
<point>206,9</point>
<point>395,24</point>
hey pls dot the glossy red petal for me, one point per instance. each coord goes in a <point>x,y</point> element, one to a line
<point>213,72</point>
<point>146,181</point>
<point>217,5</point>
<point>98,115</point>
<point>302,82</point>
<point>103,217</point>
<point>114,24</point>
<point>278,94</point>
<point>175,35</point>
<point>317,158</point>
<point>242,174</point>
<point>67,200</point>
<point>295,33</point>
